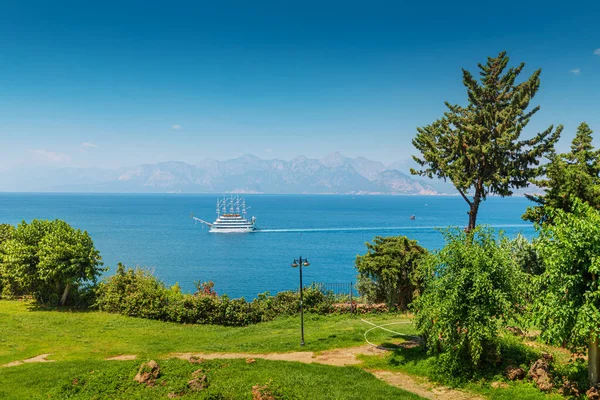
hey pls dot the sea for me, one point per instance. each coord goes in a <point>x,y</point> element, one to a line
<point>156,231</point>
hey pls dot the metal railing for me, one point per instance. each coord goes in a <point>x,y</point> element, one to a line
<point>343,291</point>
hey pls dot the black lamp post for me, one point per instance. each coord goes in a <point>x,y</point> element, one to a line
<point>299,263</point>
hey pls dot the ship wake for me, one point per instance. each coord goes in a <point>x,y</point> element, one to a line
<point>380,228</point>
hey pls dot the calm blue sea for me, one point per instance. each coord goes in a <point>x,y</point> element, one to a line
<point>156,231</point>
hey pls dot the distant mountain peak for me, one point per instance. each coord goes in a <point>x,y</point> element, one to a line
<point>335,159</point>
<point>299,159</point>
<point>334,173</point>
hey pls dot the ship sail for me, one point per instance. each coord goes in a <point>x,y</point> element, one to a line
<point>231,216</point>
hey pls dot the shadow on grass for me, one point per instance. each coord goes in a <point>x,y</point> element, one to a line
<point>416,359</point>
<point>33,306</point>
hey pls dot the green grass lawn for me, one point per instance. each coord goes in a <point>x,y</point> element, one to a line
<point>227,379</point>
<point>80,341</point>
<point>97,335</point>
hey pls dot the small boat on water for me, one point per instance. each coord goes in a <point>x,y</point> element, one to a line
<point>412,217</point>
<point>231,217</point>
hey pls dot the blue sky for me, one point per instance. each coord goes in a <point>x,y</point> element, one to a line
<point>107,84</point>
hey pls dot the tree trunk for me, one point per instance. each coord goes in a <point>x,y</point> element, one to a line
<point>63,299</point>
<point>593,361</point>
<point>474,209</point>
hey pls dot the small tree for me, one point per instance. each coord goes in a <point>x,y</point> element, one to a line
<point>47,259</point>
<point>478,146</point>
<point>568,307</point>
<point>474,288</point>
<point>387,272</point>
<point>576,173</point>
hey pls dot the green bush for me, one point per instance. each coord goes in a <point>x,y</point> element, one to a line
<point>49,260</point>
<point>474,287</point>
<point>134,292</point>
<point>388,272</point>
<point>138,293</point>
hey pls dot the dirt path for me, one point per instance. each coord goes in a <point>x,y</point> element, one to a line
<point>342,357</point>
<point>122,357</point>
<point>422,387</point>
<point>338,357</point>
<point>37,359</point>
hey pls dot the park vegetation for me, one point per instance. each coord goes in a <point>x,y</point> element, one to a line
<point>568,312</point>
<point>478,147</point>
<point>138,293</point>
<point>468,298</point>
<point>567,175</point>
<point>480,283</point>
<point>48,260</point>
<point>389,272</point>
<point>474,286</point>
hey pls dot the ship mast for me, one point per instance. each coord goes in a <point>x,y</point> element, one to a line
<point>218,208</point>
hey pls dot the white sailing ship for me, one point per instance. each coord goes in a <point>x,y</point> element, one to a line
<point>231,216</point>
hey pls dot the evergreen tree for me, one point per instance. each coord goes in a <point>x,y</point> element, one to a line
<point>389,271</point>
<point>478,146</point>
<point>573,174</point>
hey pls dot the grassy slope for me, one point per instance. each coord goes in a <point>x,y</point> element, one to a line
<point>228,379</point>
<point>82,340</point>
<point>96,335</point>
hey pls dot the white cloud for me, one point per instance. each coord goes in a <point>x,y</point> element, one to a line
<point>575,71</point>
<point>597,52</point>
<point>176,126</point>
<point>89,145</point>
<point>50,156</point>
<point>268,150</point>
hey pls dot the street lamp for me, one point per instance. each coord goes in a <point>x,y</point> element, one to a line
<point>300,262</point>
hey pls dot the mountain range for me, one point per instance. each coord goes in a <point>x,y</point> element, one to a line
<point>334,173</point>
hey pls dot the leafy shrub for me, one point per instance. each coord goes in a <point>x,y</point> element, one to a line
<point>388,271</point>
<point>48,260</point>
<point>134,292</point>
<point>474,287</point>
<point>568,309</point>
<point>138,293</point>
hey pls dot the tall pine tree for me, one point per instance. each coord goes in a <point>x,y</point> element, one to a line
<point>478,146</point>
<point>573,174</point>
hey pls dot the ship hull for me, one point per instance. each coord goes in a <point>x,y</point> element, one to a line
<point>215,229</point>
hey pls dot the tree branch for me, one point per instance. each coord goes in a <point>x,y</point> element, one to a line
<point>469,202</point>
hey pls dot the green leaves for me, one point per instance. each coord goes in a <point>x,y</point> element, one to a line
<point>475,286</point>
<point>568,308</point>
<point>576,173</point>
<point>389,270</point>
<point>46,258</point>
<point>478,146</point>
